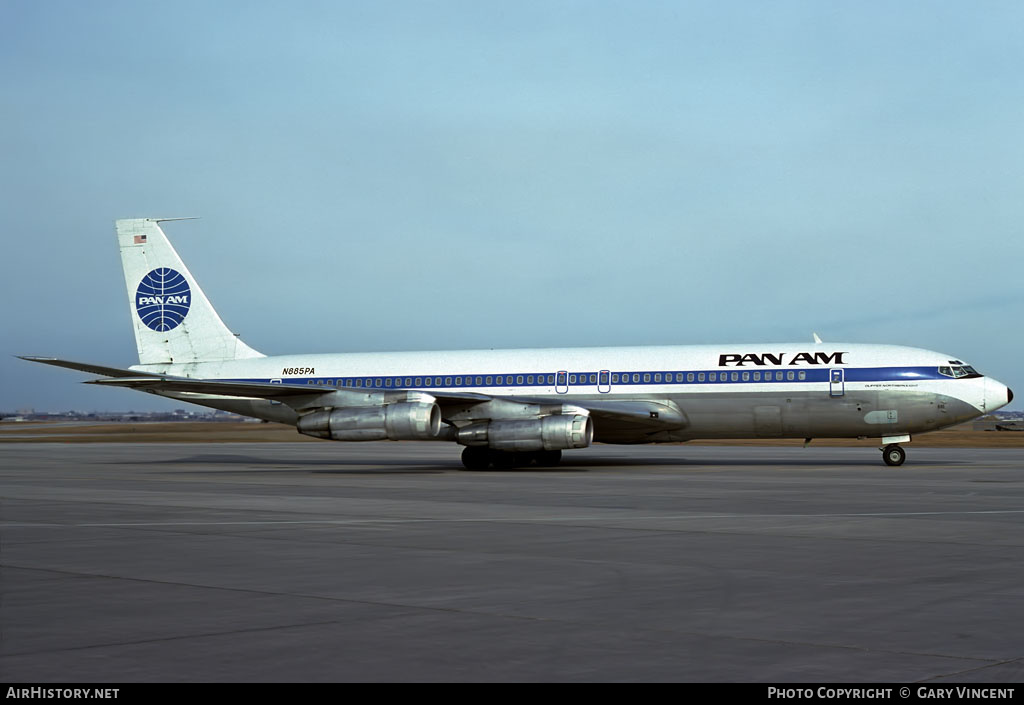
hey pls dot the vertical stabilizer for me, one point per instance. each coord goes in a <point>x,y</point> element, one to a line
<point>174,321</point>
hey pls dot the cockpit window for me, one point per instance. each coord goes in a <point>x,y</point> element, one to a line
<point>959,371</point>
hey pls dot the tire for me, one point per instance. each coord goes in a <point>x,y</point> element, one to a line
<point>548,458</point>
<point>894,455</point>
<point>476,458</point>
<point>503,460</point>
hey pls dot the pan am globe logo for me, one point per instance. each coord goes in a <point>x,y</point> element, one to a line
<point>163,299</point>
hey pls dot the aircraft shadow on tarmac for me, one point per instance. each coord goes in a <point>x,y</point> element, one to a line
<point>251,463</point>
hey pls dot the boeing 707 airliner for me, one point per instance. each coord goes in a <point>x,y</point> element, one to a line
<point>512,408</point>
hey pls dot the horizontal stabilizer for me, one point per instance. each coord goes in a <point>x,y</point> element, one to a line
<point>84,367</point>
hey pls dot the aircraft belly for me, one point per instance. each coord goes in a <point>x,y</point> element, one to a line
<point>864,413</point>
<point>744,415</point>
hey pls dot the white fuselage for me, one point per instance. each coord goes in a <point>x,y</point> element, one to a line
<point>747,390</point>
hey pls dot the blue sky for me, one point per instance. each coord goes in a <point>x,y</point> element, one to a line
<point>435,175</point>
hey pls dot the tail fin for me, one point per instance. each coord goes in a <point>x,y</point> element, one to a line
<point>174,321</point>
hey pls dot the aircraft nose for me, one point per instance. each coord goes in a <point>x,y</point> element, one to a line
<point>997,395</point>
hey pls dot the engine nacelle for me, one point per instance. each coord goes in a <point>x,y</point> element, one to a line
<point>547,433</point>
<point>406,421</point>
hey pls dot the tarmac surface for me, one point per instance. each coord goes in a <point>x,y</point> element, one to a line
<point>387,562</point>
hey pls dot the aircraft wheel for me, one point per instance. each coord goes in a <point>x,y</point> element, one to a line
<point>476,458</point>
<point>503,460</point>
<point>894,455</point>
<point>548,458</point>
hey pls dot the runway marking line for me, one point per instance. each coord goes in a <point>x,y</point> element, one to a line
<point>340,522</point>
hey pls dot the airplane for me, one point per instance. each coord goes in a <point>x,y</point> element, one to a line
<point>514,408</point>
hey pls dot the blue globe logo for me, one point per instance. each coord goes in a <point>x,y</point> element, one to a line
<point>163,299</point>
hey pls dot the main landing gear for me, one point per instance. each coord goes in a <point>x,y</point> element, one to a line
<point>893,454</point>
<point>480,458</point>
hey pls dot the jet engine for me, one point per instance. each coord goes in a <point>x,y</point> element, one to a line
<point>405,421</point>
<point>546,433</point>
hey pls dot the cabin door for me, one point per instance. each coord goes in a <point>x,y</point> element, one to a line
<point>836,382</point>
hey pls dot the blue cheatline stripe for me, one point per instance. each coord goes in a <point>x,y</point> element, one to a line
<point>619,379</point>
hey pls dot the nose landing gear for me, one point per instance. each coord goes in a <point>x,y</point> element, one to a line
<point>893,454</point>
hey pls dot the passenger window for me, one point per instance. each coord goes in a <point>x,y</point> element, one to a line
<point>379,383</point>
<point>447,381</point>
<point>802,375</point>
<point>529,379</point>
<point>359,382</point>
<point>757,376</point>
<point>735,376</point>
<point>746,376</point>
<point>387,381</point>
<point>490,380</point>
<point>713,377</point>
<point>647,377</point>
<point>700,377</point>
<point>636,377</point>
<point>790,375</point>
<point>689,376</point>
<point>479,381</point>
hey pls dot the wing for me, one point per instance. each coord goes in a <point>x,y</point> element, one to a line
<point>266,390</point>
<point>614,420</point>
<point>133,379</point>
<point>627,420</point>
